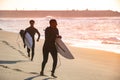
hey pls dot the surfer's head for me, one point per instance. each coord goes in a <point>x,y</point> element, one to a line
<point>53,23</point>
<point>32,22</point>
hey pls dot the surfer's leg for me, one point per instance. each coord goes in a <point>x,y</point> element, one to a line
<point>33,48</point>
<point>54,56</point>
<point>32,54</point>
<point>45,59</point>
<point>28,51</point>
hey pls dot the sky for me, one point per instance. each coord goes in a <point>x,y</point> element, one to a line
<point>60,5</point>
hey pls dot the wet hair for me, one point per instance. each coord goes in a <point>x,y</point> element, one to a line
<point>52,20</point>
<point>31,21</point>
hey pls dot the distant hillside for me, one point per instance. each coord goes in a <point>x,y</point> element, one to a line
<point>67,13</point>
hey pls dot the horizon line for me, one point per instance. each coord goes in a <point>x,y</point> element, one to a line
<point>59,10</point>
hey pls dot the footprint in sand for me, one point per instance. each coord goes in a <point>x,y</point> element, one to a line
<point>4,66</point>
<point>14,48</point>
<point>18,70</point>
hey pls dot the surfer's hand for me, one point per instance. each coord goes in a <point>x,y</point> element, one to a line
<point>37,40</point>
<point>59,36</point>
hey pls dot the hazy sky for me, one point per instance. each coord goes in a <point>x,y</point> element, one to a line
<point>60,5</point>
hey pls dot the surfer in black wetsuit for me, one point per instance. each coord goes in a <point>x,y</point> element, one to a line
<point>51,33</point>
<point>31,30</point>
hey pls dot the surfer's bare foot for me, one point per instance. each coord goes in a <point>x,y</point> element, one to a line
<point>24,45</point>
<point>41,74</point>
<point>31,59</point>
<point>28,55</point>
<point>53,75</point>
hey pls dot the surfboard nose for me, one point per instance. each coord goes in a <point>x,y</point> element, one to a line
<point>63,50</point>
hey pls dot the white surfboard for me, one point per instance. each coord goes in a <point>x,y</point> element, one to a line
<point>28,40</point>
<point>63,50</point>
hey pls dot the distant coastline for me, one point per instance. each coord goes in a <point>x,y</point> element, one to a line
<point>55,13</point>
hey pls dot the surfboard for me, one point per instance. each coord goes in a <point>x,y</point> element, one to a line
<point>28,39</point>
<point>62,49</point>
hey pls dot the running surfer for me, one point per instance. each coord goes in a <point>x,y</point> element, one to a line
<point>31,30</point>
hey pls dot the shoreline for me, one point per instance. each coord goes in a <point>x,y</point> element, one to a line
<point>115,52</point>
<point>69,44</point>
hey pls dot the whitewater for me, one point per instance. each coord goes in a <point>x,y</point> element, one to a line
<point>89,32</point>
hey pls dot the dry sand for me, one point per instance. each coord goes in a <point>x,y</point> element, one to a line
<point>89,64</point>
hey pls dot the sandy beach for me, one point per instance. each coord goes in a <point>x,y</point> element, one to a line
<point>89,64</point>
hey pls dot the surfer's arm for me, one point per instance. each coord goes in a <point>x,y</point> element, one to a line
<point>38,35</point>
<point>58,36</point>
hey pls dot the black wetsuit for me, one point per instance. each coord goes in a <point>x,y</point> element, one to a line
<point>31,30</point>
<point>49,46</point>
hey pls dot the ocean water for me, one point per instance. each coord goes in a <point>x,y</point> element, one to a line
<point>90,32</point>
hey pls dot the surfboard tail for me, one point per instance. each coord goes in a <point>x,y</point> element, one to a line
<point>28,39</point>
